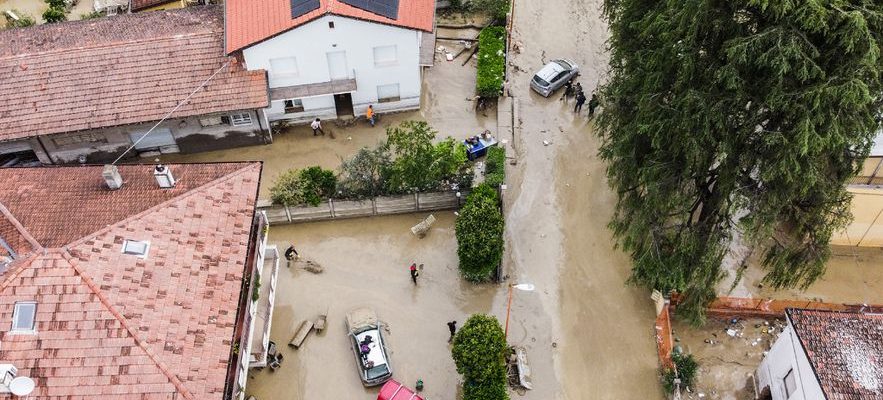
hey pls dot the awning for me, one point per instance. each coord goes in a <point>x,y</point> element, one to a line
<point>313,89</point>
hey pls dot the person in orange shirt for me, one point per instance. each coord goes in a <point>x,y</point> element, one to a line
<point>370,115</point>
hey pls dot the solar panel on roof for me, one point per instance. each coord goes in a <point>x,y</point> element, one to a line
<point>301,7</point>
<point>386,8</point>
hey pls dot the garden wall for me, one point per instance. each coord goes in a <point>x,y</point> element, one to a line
<point>383,205</point>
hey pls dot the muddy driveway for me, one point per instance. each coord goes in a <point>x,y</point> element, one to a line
<point>558,207</point>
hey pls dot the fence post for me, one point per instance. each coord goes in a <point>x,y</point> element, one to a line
<point>373,206</point>
<point>331,207</point>
<point>287,212</point>
<point>417,201</point>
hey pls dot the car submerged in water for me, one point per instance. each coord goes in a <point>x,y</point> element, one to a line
<point>553,76</point>
<point>368,345</point>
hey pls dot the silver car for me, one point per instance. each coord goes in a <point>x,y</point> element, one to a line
<point>368,346</point>
<point>553,76</point>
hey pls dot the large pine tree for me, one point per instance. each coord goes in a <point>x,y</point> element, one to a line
<point>736,114</point>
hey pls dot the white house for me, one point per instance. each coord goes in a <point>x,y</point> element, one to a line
<point>824,355</point>
<point>333,58</point>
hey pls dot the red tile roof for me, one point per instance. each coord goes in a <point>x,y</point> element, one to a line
<point>250,22</point>
<point>118,326</point>
<point>121,70</point>
<point>845,351</point>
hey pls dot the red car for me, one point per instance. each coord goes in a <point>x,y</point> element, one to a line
<point>393,390</point>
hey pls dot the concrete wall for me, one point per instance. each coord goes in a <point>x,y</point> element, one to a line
<point>309,45</point>
<point>191,137</point>
<point>786,355</point>
<point>866,228</point>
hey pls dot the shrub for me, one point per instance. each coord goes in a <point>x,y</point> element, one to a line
<point>308,186</point>
<point>491,61</point>
<point>497,9</point>
<point>91,15</point>
<point>449,162</point>
<point>59,4</point>
<point>495,167</point>
<point>54,14</point>
<point>24,20</point>
<point>479,354</point>
<point>365,174</point>
<point>686,370</point>
<point>479,229</point>
<point>420,164</point>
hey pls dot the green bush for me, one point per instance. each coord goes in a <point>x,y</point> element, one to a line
<point>91,15</point>
<point>365,175</point>
<point>686,370</point>
<point>479,353</point>
<point>54,14</point>
<point>479,229</point>
<point>491,61</point>
<point>497,9</point>
<point>24,20</point>
<point>495,167</point>
<point>309,186</point>
<point>419,164</point>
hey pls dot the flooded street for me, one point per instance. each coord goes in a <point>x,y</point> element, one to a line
<point>35,8</point>
<point>557,223</point>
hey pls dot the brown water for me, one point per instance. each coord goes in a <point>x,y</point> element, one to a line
<point>559,207</point>
<point>35,8</point>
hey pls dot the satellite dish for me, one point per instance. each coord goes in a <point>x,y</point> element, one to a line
<point>22,386</point>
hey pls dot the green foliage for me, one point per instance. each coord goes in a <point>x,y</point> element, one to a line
<point>479,354</point>
<point>256,289</point>
<point>317,184</point>
<point>686,367</point>
<point>744,114</point>
<point>59,4</point>
<point>54,14</point>
<point>495,166</point>
<point>494,8</point>
<point>24,20</point>
<point>420,164</point>
<point>365,174</point>
<point>491,61</point>
<point>91,15</point>
<point>309,186</point>
<point>479,230</point>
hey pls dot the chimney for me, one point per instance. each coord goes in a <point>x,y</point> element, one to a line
<point>163,175</point>
<point>112,177</point>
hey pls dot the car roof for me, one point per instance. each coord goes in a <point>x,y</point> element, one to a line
<point>393,390</point>
<point>361,318</point>
<point>549,71</point>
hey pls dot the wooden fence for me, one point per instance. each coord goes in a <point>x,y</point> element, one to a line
<point>384,205</point>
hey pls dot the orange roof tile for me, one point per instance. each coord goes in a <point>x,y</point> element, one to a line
<point>250,22</point>
<point>119,326</point>
<point>121,70</point>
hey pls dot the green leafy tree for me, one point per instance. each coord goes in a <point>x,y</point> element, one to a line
<point>59,4</point>
<point>479,230</point>
<point>743,114</point>
<point>365,174</point>
<point>494,8</point>
<point>479,350</point>
<point>54,14</point>
<point>685,369</point>
<point>411,143</point>
<point>449,160</point>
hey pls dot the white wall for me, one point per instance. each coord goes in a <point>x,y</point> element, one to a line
<point>785,355</point>
<point>309,45</point>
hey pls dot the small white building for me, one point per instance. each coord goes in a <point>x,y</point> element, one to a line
<point>332,58</point>
<point>824,355</point>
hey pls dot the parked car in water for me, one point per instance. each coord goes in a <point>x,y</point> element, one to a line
<point>553,76</point>
<point>368,345</point>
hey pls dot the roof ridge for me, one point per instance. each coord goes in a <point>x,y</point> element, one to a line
<point>87,280</point>
<point>186,194</point>
<point>18,226</point>
<point>110,44</point>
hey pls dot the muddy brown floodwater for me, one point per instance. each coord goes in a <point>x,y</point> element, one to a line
<point>366,264</point>
<point>35,8</point>
<point>559,206</point>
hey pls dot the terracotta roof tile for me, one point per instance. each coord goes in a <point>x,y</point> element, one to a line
<point>118,326</point>
<point>845,351</point>
<point>250,22</point>
<point>98,73</point>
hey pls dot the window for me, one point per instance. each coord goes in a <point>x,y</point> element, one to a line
<point>293,106</point>
<point>136,248</point>
<point>331,24</point>
<point>283,67</point>
<point>388,93</point>
<point>240,119</point>
<point>23,316</point>
<point>385,56</point>
<point>790,384</point>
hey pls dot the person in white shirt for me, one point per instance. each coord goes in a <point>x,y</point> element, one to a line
<point>317,127</point>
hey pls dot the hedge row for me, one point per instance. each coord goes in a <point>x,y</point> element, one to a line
<point>491,61</point>
<point>479,229</point>
<point>495,166</point>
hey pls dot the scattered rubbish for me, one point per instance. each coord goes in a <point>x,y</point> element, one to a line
<point>310,266</point>
<point>546,142</point>
<point>731,332</point>
<point>422,228</point>
<point>440,49</point>
<point>301,333</point>
<point>349,138</point>
<point>449,57</point>
<point>518,369</point>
